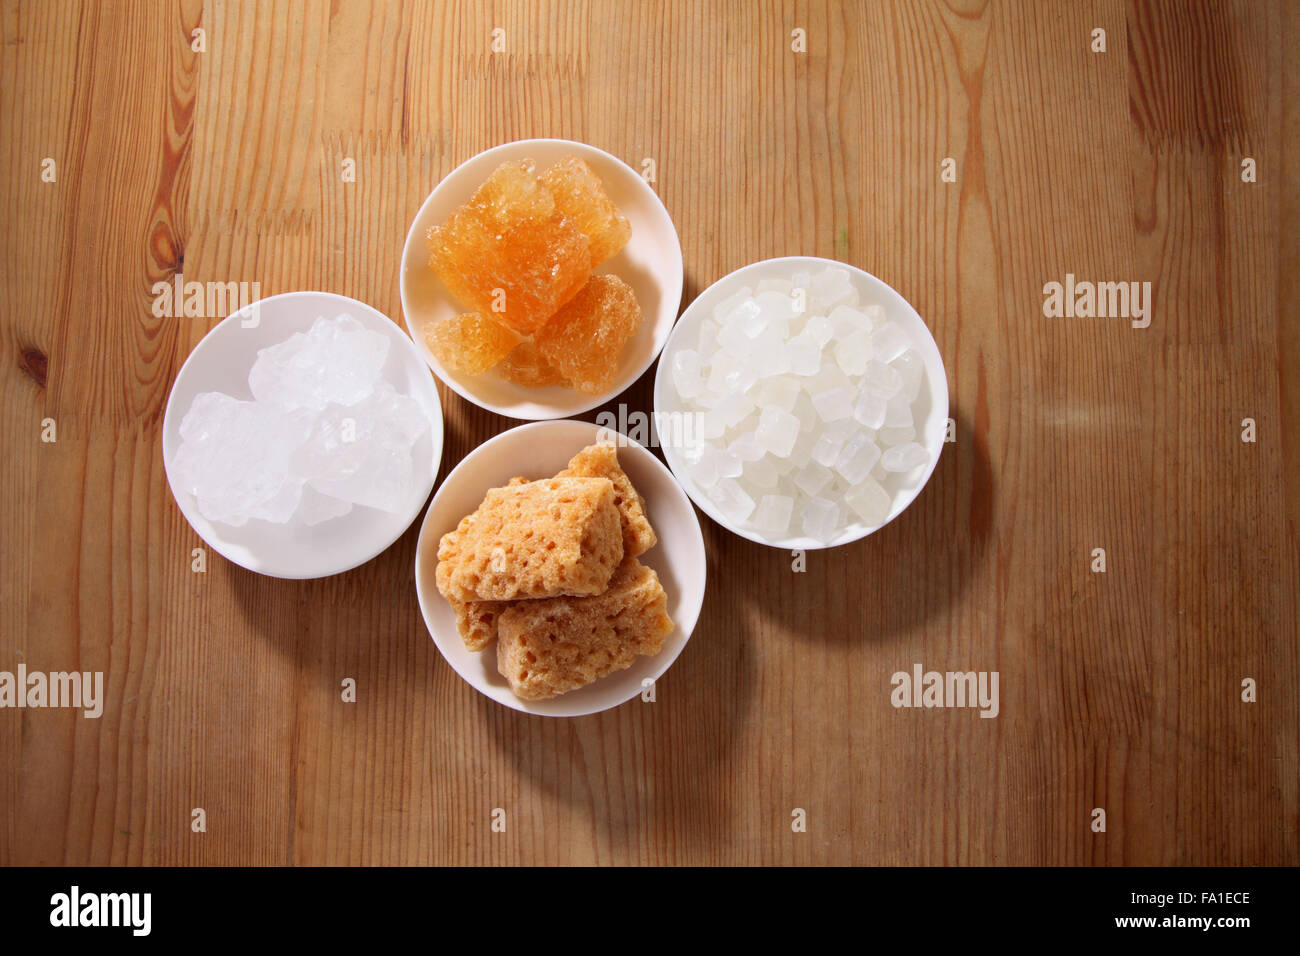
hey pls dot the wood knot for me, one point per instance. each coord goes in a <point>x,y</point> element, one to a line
<point>34,363</point>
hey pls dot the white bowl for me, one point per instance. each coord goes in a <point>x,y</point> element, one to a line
<point>930,408</point>
<point>651,263</point>
<point>539,450</point>
<point>221,363</point>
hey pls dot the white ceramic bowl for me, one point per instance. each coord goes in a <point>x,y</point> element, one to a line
<point>930,409</point>
<point>651,263</point>
<point>221,363</point>
<point>539,450</point>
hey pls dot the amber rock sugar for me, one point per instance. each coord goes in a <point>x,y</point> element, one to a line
<point>470,342</point>
<point>509,252</point>
<point>585,339</point>
<point>580,195</point>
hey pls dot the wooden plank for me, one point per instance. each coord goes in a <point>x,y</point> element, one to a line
<point>1119,691</point>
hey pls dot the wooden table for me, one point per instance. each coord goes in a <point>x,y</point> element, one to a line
<point>1119,690</point>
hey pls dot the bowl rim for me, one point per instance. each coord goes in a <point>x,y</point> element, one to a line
<point>190,510</point>
<point>426,593</point>
<point>672,291</point>
<point>939,388</point>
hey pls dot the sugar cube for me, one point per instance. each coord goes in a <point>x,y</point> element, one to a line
<point>831,439</point>
<point>854,351</point>
<point>845,319</point>
<point>869,500</point>
<point>821,519</point>
<point>779,390</point>
<point>761,473</point>
<point>733,409</point>
<point>889,437</point>
<point>819,329</point>
<point>777,431</point>
<point>732,500</point>
<point>826,450</point>
<point>857,458</point>
<point>729,374</point>
<point>732,302</point>
<point>775,310</point>
<point>911,369</point>
<point>805,357</point>
<point>705,471</point>
<point>889,341</point>
<point>783,286</point>
<point>870,409</point>
<point>826,378</point>
<point>835,404</point>
<point>729,466</point>
<point>804,410</point>
<point>898,412</point>
<point>881,380</point>
<point>812,478</point>
<point>746,447</point>
<point>904,457</point>
<point>708,338</point>
<point>773,514</point>
<point>687,373</point>
<point>831,287</point>
<point>735,340</point>
<point>768,355</point>
<point>711,427</point>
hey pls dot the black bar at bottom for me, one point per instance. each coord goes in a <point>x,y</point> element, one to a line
<point>504,906</point>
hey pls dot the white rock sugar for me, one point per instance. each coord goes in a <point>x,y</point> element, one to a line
<point>323,433</point>
<point>807,396</point>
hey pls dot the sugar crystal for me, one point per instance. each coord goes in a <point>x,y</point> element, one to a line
<point>889,341</point>
<point>881,380</point>
<point>687,373</point>
<point>870,409</point>
<point>732,500</point>
<point>857,458</point>
<point>821,519</point>
<point>761,473</point>
<point>911,369</point>
<point>780,390</point>
<point>871,502</point>
<point>854,351</point>
<point>777,431</point>
<point>834,404</point>
<point>812,478</point>
<point>773,514</point>
<point>904,457</point>
<point>898,412</point>
<point>888,437</point>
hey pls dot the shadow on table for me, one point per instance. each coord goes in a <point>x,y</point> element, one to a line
<point>354,624</point>
<point>662,782</point>
<point>658,781</point>
<point>894,580</point>
<point>316,622</point>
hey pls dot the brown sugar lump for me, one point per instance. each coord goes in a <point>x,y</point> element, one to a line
<point>601,461</point>
<point>583,341</point>
<point>470,343</point>
<point>580,195</point>
<point>547,648</point>
<point>509,252</point>
<point>477,621</point>
<point>534,540</point>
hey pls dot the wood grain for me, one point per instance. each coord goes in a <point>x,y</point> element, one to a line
<point>1118,690</point>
